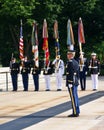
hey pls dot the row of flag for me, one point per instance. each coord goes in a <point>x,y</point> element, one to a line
<point>35,43</point>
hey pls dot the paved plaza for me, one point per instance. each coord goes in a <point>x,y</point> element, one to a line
<point>49,110</point>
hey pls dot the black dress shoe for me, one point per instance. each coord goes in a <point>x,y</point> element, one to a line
<point>83,89</point>
<point>47,89</point>
<point>73,115</point>
<point>58,89</point>
<point>25,90</point>
<point>14,90</point>
<point>36,90</point>
<point>94,89</point>
<point>76,115</point>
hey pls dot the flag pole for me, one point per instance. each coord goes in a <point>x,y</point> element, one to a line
<point>80,47</point>
<point>21,22</point>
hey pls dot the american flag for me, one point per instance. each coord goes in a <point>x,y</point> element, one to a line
<point>21,45</point>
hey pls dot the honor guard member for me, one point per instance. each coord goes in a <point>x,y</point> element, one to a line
<point>47,71</point>
<point>83,68</point>
<point>14,70</point>
<point>94,68</point>
<point>25,72</point>
<point>59,70</point>
<point>35,72</point>
<point>72,70</point>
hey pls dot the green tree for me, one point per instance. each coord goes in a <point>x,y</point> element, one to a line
<point>12,11</point>
<point>10,14</point>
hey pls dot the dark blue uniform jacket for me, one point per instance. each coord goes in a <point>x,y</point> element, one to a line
<point>72,72</point>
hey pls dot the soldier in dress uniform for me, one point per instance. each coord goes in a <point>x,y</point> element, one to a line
<point>83,68</point>
<point>14,70</point>
<point>35,72</point>
<point>25,72</point>
<point>72,70</point>
<point>47,71</point>
<point>94,67</point>
<point>59,70</point>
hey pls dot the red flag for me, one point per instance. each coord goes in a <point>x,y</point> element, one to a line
<point>45,42</point>
<point>21,45</point>
<point>81,38</point>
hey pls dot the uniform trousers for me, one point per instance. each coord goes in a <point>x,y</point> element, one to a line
<point>59,80</point>
<point>82,80</point>
<point>36,81</point>
<point>74,99</point>
<point>25,81</point>
<point>14,81</point>
<point>94,81</point>
<point>47,80</point>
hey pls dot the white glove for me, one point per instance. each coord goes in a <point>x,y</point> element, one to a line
<point>89,67</point>
<point>86,73</point>
<point>70,85</point>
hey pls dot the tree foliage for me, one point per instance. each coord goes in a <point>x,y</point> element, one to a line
<point>11,11</point>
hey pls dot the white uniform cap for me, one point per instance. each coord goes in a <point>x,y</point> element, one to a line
<point>93,54</point>
<point>71,52</point>
<point>82,53</point>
